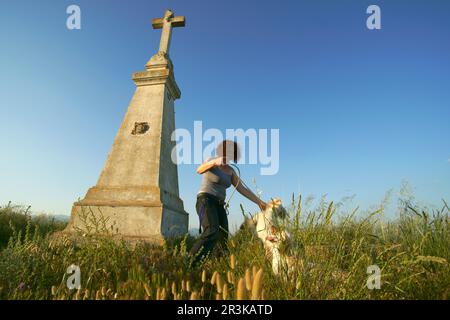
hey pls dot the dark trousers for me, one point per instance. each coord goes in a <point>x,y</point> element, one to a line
<point>214,225</point>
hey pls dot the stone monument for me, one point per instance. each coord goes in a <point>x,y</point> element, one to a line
<point>136,195</point>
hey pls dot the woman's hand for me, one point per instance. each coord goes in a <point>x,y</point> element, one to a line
<point>262,205</point>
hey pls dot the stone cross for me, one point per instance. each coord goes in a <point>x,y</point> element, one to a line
<point>166,24</point>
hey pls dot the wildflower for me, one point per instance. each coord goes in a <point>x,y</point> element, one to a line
<point>194,295</point>
<point>213,278</point>
<point>263,295</point>
<point>219,283</point>
<point>174,288</point>
<point>78,294</point>
<point>240,295</point>
<point>232,261</point>
<point>188,286</point>
<point>230,277</point>
<point>204,276</point>
<point>147,289</point>
<point>22,286</point>
<point>225,291</point>
<point>248,280</point>
<point>163,294</point>
<point>254,271</point>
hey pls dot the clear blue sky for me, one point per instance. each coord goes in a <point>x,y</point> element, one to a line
<point>358,110</point>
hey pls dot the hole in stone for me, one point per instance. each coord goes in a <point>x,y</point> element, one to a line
<point>140,128</point>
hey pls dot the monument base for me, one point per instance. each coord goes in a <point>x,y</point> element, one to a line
<point>148,223</point>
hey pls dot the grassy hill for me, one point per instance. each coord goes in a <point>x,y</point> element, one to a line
<point>332,251</point>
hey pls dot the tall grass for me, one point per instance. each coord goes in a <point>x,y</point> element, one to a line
<point>17,219</point>
<point>330,253</point>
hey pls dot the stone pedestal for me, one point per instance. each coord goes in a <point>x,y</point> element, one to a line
<point>137,193</point>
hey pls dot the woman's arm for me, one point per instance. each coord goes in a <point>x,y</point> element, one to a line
<point>209,164</point>
<point>240,187</point>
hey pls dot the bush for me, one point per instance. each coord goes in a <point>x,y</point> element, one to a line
<point>18,219</point>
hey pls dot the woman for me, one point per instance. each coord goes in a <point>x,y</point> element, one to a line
<point>210,206</point>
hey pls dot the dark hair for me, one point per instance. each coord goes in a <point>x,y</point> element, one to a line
<point>226,147</point>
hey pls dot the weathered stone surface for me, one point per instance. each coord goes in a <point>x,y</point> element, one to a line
<point>137,191</point>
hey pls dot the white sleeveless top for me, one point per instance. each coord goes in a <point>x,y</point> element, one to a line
<point>215,182</point>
